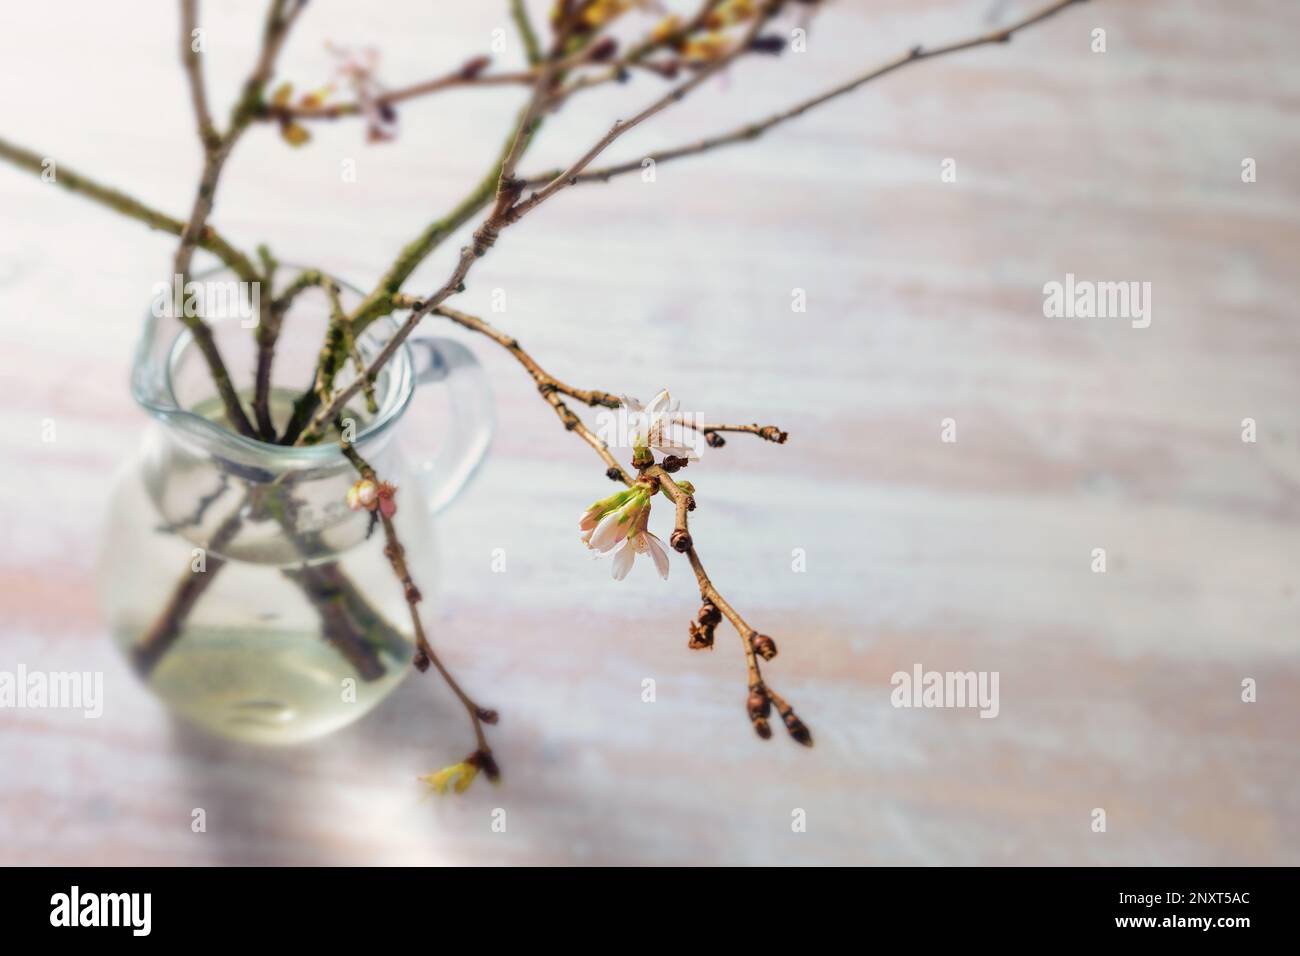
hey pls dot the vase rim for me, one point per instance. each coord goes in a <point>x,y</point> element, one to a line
<point>153,389</point>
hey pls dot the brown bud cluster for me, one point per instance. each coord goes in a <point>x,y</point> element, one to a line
<point>714,439</point>
<point>487,715</point>
<point>702,628</point>
<point>421,660</point>
<point>680,539</point>
<point>672,463</point>
<point>763,646</point>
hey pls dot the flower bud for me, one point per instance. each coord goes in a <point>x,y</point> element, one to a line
<point>680,540</point>
<point>759,705</point>
<point>363,494</point>
<point>472,68</point>
<point>796,728</point>
<point>603,50</point>
<point>701,637</point>
<point>714,439</point>
<point>484,761</point>
<point>763,646</point>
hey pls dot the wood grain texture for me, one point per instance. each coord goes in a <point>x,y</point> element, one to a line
<point>1118,690</point>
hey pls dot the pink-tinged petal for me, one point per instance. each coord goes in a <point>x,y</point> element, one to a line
<point>609,532</point>
<point>387,506</point>
<point>657,552</point>
<point>623,559</point>
<point>590,518</point>
<point>659,405</point>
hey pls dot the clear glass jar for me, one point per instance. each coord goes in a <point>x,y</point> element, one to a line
<point>246,594</point>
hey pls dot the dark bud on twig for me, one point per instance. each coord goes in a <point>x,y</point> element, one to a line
<point>759,704</point>
<point>603,50</point>
<point>763,728</point>
<point>763,646</point>
<point>421,660</point>
<point>774,434</point>
<point>485,762</point>
<point>714,439</point>
<point>474,67</point>
<point>672,463</point>
<point>413,595</point>
<point>680,540</point>
<point>613,474</point>
<point>797,730</point>
<point>702,629</point>
<point>767,44</point>
<point>487,715</point>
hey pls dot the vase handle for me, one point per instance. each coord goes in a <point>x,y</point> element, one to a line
<point>473,416</point>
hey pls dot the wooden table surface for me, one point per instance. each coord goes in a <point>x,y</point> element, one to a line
<point>1119,691</point>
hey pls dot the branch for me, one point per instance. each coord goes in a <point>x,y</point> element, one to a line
<point>216,149</point>
<point>710,432</point>
<point>425,654</point>
<point>761,696</point>
<point>267,336</point>
<point>532,49</point>
<point>74,182</point>
<point>506,212</point>
<point>208,134</point>
<point>756,645</point>
<point>751,131</point>
<point>466,75</point>
<point>550,387</point>
<point>569,176</point>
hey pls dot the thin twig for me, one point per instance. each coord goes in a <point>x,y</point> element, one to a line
<point>74,182</point>
<point>751,131</point>
<point>527,35</point>
<point>425,654</point>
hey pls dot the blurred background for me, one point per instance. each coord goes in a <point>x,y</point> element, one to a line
<point>1119,690</point>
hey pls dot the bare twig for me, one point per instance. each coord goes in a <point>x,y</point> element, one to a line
<point>527,35</point>
<point>506,212</point>
<point>193,65</point>
<point>550,388</point>
<point>216,149</point>
<point>468,74</point>
<point>425,654</point>
<point>751,131</point>
<point>74,182</point>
